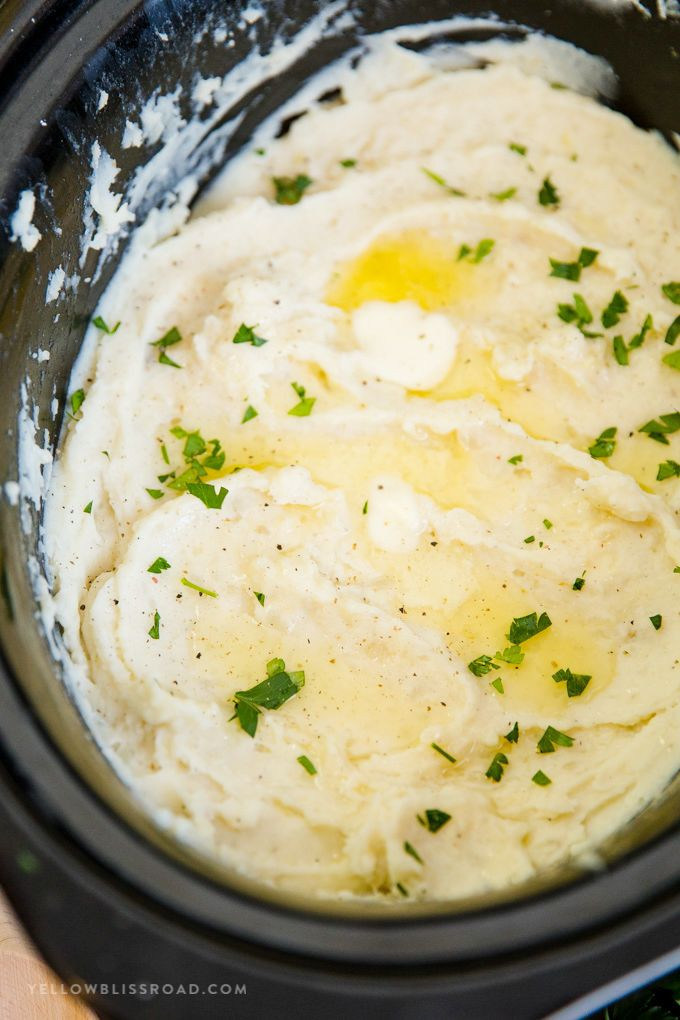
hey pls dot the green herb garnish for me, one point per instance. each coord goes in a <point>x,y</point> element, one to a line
<point>305,405</point>
<point>517,459</point>
<point>513,735</point>
<point>497,684</point>
<point>289,190</point>
<point>620,350</point>
<point>348,163</point>
<point>521,150</point>
<point>88,509</point>
<point>572,270</point>
<point>617,307</point>
<point>156,493</point>
<point>482,665</point>
<point>271,694</point>
<point>672,292</point>
<point>100,324</point>
<point>169,339</point>
<point>604,445</point>
<point>196,587</point>
<point>524,627</point>
<point>578,584</point>
<point>433,819</point>
<point>540,779</point>
<point>364,508</point>
<point>656,621</point>
<point>579,314</point>
<point>248,414</point>
<point>672,360</point>
<point>444,754</point>
<point>412,852</point>
<point>673,331</point>
<point>158,565</point>
<point>639,338</point>
<point>552,737</point>
<point>548,194</point>
<point>208,494</point>
<point>497,767</point>
<point>576,682</point>
<point>529,539</point>
<point>307,765</point>
<point>512,655</point>
<point>402,889</point>
<point>155,630</point>
<point>76,401</point>
<point>438,179</point>
<point>503,196</point>
<point>259,596</point>
<point>658,429</point>
<point>669,469</point>
<point>247,335</point>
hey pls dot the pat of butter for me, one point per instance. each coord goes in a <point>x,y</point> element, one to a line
<point>402,344</point>
<point>395,515</point>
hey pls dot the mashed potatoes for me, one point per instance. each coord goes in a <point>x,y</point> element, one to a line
<point>379,444</point>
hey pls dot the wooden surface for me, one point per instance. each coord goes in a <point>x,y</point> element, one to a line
<point>28,988</point>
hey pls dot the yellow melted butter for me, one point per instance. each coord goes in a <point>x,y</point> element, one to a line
<point>480,625</point>
<point>411,266</point>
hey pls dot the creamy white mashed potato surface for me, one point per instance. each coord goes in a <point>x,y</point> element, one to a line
<point>388,435</point>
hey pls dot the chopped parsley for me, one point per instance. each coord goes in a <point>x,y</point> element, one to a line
<point>540,779</point>
<point>503,196</point>
<point>304,407</point>
<point>402,889</point>
<point>497,767</point>
<point>438,179</point>
<point>76,401</point>
<point>196,587</point>
<point>529,539</point>
<point>552,737</point>
<point>572,270</point>
<point>271,694</point>
<point>259,596</point>
<point>482,665</point>
<point>156,493</point>
<point>207,494</point>
<point>433,819</point>
<point>412,852</point>
<point>521,150</point>
<point>444,754</point>
<point>364,508</point>
<point>639,338</point>
<point>155,630</point>
<point>164,453</point>
<point>547,524</point>
<point>498,685</point>
<point>247,335</point>
<point>672,291</point>
<point>158,565</point>
<point>656,621</point>
<point>617,307</point>
<point>620,350</point>
<point>248,414</point>
<point>88,509</point>
<point>195,447</point>
<point>513,735</point>
<point>289,190</point>
<point>348,163</point>
<point>517,459</point>
<point>169,339</point>
<point>512,655</point>
<point>484,248</point>
<point>576,682</point>
<point>672,360</point>
<point>578,584</point>
<point>579,314</point>
<point>307,765</point>
<point>673,331</point>
<point>548,194</point>
<point>658,429</point>
<point>101,324</point>
<point>524,627</point>
<point>669,469</point>
<point>604,445</point>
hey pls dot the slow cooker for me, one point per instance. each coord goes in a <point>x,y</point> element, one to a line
<point>142,926</point>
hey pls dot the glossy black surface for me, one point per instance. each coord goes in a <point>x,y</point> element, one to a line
<point>110,900</point>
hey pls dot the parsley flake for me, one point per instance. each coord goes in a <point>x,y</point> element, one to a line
<point>617,307</point>
<point>604,445</point>
<point>88,509</point>
<point>247,335</point>
<point>517,459</point>
<point>529,539</point>
<point>289,190</point>
<point>248,414</point>
<point>576,683</point>
<point>348,163</point>
<point>402,889</point>
<point>208,494</point>
<point>482,665</point>
<point>304,408</point>
<point>572,270</point>
<point>364,508</point>
<point>552,737</point>
<point>548,194</point>
<point>673,331</point>
<point>76,401</point>
<point>438,179</point>
<point>444,754</point>
<point>158,565</point>
<point>412,852</point>
<point>196,587</point>
<point>658,429</point>
<point>433,819</point>
<point>521,150</point>
<point>669,469</point>
<point>101,324</point>
<point>498,685</point>
<point>578,584</point>
<point>259,596</point>
<point>497,767</point>
<point>169,339</point>
<point>156,493</point>
<point>672,360</point>
<point>541,779</point>
<point>271,694</point>
<point>503,196</point>
<point>307,765</point>
<point>579,314</point>
<point>513,735</point>
<point>620,350</point>
<point>656,621</point>
<point>155,630</point>
<point>513,655</point>
<point>672,291</point>
<point>524,627</point>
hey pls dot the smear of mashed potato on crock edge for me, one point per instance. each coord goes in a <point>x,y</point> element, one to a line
<point>374,433</point>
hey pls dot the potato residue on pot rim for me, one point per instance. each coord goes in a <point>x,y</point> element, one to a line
<point>364,530</point>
